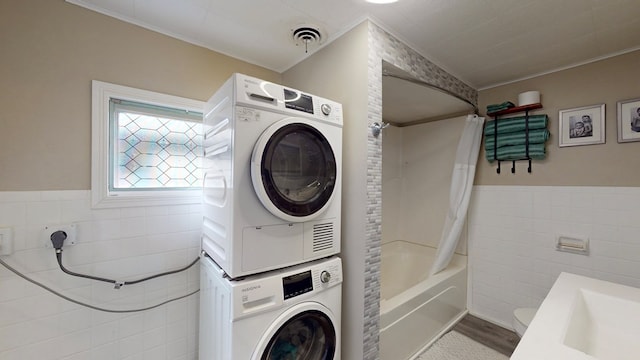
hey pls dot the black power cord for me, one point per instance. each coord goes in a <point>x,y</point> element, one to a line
<point>58,238</point>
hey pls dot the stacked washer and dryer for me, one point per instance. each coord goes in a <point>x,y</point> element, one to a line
<point>271,283</point>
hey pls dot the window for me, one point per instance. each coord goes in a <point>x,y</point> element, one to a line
<point>146,148</point>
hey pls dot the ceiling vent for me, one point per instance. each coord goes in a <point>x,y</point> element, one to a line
<point>307,35</point>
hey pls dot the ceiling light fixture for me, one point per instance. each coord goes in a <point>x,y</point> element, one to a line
<point>381,1</point>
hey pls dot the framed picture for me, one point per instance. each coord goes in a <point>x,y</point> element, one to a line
<point>581,126</point>
<point>629,120</point>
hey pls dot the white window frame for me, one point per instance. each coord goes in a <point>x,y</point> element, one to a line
<point>101,195</point>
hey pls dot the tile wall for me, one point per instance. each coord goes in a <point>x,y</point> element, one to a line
<point>416,176</point>
<point>513,232</point>
<point>122,243</point>
<point>385,47</point>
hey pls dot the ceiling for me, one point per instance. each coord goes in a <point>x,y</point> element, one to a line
<point>482,42</point>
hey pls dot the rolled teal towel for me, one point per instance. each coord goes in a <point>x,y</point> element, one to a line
<point>514,124</point>
<point>502,106</point>
<point>517,152</point>
<point>515,138</point>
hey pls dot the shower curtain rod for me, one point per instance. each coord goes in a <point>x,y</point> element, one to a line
<point>426,84</point>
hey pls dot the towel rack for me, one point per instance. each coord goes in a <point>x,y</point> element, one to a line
<point>525,109</point>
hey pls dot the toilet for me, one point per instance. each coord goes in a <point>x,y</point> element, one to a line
<point>522,318</point>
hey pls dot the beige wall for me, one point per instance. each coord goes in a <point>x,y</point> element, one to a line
<point>51,50</point>
<point>610,164</point>
<point>339,72</point>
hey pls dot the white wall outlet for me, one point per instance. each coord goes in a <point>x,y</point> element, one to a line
<point>6,241</point>
<point>70,229</point>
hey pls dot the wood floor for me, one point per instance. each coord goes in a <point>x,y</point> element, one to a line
<point>498,338</point>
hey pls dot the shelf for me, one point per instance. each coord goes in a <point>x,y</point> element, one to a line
<point>516,109</point>
<point>496,114</point>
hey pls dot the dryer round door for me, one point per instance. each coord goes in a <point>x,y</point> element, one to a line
<point>303,332</point>
<point>293,170</point>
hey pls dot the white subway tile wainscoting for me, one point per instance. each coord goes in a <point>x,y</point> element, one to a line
<point>513,230</point>
<point>121,243</point>
<point>512,260</point>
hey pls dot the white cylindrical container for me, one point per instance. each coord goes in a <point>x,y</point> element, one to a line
<point>528,98</point>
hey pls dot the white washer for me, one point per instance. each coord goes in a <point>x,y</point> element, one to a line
<point>273,176</point>
<point>292,313</point>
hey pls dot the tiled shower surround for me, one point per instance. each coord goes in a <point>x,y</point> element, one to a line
<point>384,47</point>
<point>123,243</point>
<point>512,237</point>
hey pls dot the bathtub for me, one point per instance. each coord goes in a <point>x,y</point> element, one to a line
<point>415,309</point>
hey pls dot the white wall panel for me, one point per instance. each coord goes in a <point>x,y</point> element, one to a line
<point>122,243</point>
<point>513,232</point>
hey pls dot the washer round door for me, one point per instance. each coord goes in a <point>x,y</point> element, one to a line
<point>293,169</point>
<point>304,332</point>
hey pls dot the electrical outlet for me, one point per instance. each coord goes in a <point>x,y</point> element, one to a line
<point>6,241</point>
<point>70,229</point>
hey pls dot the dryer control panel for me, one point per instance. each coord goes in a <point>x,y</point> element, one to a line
<point>296,100</point>
<point>253,92</point>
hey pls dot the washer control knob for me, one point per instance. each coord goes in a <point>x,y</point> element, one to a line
<point>326,109</point>
<point>325,276</point>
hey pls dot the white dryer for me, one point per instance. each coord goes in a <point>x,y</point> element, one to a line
<point>273,176</point>
<point>292,313</point>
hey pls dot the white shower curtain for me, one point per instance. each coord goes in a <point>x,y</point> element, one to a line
<point>461,185</point>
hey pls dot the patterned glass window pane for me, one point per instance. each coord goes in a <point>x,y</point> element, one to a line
<point>154,147</point>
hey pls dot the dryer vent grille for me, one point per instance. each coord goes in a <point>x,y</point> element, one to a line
<point>322,237</point>
<point>307,35</point>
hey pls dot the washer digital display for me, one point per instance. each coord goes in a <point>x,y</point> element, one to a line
<point>297,284</point>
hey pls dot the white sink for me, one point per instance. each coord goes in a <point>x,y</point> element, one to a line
<point>583,318</point>
<point>604,326</point>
